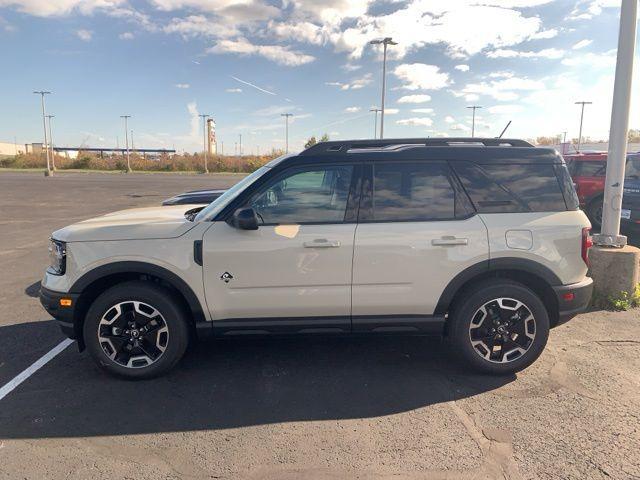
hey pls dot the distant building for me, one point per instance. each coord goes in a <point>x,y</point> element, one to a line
<point>10,148</point>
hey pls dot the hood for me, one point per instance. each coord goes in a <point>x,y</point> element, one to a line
<point>133,224</point>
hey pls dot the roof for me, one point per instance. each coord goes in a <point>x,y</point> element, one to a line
<point>481,150</point>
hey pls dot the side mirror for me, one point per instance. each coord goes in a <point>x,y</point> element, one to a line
<point>244,219</point>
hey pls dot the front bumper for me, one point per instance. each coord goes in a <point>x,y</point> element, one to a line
<point>65,315</point>
<point>573,299</point>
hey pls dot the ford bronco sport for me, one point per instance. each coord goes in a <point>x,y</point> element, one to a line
<point>477,240</point>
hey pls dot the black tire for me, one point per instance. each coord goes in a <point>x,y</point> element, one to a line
<point>468,309</point>
<point>594,212</point>
<point>167,331</point>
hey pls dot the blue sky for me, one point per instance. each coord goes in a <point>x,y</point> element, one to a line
<point>247,61</point>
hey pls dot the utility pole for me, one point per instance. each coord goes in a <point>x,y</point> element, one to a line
<point>204,139</point>
<point>286,128</point>
<point>240,145</point>
<point>42,93</point>
<point>617,155</point>
<point>473,121</point>
<point>581,117</point>
<point>132,144</point>
<point>375,111</point>
<point>53,155</point>
<point>126,140</point>
<point>385,43</point>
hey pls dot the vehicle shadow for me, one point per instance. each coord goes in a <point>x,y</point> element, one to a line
<point>235,383</point>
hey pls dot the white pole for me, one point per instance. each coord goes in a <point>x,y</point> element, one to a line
<point>614,182</point>
<point>384,86</point>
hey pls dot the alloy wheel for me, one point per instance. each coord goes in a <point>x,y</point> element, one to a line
<point>133,334</point>
<point>502,330</point>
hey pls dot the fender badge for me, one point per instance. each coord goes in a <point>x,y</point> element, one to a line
<point>226,277</point>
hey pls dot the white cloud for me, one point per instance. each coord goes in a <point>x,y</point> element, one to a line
<point>428,111</point>
<point>544,34</point>
<point>200,25</point>
<point>449,119</point>
<point>416,122</point>
<point>462,67</point>
<point>237,11</point>
<point>504,89</point>
<point>420,76</point>
<point>352,109</point>
<point>606,60</point>
<point>550,53</point>
<point>582,44</point>
<point>276,53</point>
<point>471,97</point>
<point>460,126</point>
<point>461,26</point>
<point>587,9</point>
<point>84,35</point>
<point>49,8</point>
<point>415,99</point>
<point>126,36</point>
<point>182,86</point>
<point>356,84</point>
<point>391,111</point>
<point>233,90</point>
<point>505,109</point>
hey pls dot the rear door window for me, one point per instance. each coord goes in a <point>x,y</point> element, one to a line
<point>591,169</point>
<point>413,192</point>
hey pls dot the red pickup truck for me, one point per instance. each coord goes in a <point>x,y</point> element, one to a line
<point>588,171</point>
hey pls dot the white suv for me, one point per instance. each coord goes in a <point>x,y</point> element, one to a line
<point>477,240</point>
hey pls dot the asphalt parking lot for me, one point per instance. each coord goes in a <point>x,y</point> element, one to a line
<point>396,408</point>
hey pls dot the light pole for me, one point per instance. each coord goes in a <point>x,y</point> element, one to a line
<point>616,157</point>
<point>385,43</point>
<point>375,122</point>
<point>240,145</point>
<point>286,129</point>
<point>581,117</point>
<point>126,139</point>
<point>53,155</point>
<point>42,93</point>
<point>204,139</point>
<point>473,119</point>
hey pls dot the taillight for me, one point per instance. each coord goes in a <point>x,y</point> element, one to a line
<point>587,243</point>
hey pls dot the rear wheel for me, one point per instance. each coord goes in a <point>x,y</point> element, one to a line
<point>499,327</point>
<point>136,330</point>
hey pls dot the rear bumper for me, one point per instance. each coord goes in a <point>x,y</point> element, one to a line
<point>64,315</point>
<point>573,299</point>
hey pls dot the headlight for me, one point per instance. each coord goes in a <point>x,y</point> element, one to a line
<point>57,257</point>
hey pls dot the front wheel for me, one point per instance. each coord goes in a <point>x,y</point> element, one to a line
<point>499,327</point>
<point>136,330</point>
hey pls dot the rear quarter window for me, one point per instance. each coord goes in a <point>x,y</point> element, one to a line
<point>511,188</point>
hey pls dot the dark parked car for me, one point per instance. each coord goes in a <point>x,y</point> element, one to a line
<point>630,214</point>
<point>204,197</point>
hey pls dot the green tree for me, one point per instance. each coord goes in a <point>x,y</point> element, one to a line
<point>312,141</point>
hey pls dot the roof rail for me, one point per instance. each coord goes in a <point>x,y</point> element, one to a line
<point>358,146</point>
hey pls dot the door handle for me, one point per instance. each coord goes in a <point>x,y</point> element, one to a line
<point>321,243</point>
<point>449,240</point>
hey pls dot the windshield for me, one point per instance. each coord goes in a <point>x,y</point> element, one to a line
<point>215,207</point>
<point>633,168</point>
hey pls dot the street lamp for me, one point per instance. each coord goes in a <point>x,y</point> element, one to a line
<point>473,121</point>
<point>286,128</point>
<point>42,93</point>
<point>204,139</point>
<point>53,155</point>
<point>375,122</point>
<point>581,117</point>
<point>126,140</point>
<point>385,43</point>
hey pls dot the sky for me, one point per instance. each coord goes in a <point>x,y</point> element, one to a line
<point>246,62</point>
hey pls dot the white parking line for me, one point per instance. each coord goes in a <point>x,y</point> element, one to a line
<point>37,365</point>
